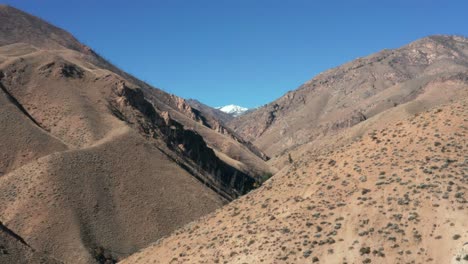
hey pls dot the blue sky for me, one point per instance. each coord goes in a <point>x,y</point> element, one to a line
<point>246,52</point>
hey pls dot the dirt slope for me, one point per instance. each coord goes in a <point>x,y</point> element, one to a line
<point>351,93</point>
<point>396,195</point>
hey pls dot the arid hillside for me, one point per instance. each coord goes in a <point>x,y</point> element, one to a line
<point>365,163</point>
<point>349,94</point>
<point>395,195</point>
<point>95,164</point>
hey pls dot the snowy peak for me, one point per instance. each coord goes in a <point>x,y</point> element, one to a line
<point>233,110</point>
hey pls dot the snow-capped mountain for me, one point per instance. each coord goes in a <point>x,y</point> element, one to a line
<point>233,110</point>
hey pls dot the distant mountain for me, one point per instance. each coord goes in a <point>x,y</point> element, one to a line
<point>233,110</point>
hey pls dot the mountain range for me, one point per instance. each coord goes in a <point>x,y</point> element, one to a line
<point>364,163</point>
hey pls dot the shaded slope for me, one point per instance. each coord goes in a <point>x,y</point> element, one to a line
<point>13,249</point>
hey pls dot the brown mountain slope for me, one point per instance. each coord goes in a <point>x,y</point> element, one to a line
<point>347,95</point>
<point>397,195</point>
<point>88,179</point>
<point>95,163</point>
<point>19,27</point>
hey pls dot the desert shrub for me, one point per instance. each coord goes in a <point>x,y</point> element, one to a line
<point>365,250</point>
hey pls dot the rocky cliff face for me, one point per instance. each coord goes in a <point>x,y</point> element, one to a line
<point>130,105</point>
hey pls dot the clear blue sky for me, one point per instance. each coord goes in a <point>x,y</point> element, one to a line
<point>246,52</point>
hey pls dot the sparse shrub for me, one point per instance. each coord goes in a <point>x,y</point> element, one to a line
<point>365,191</point>
<point>364,250</point>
